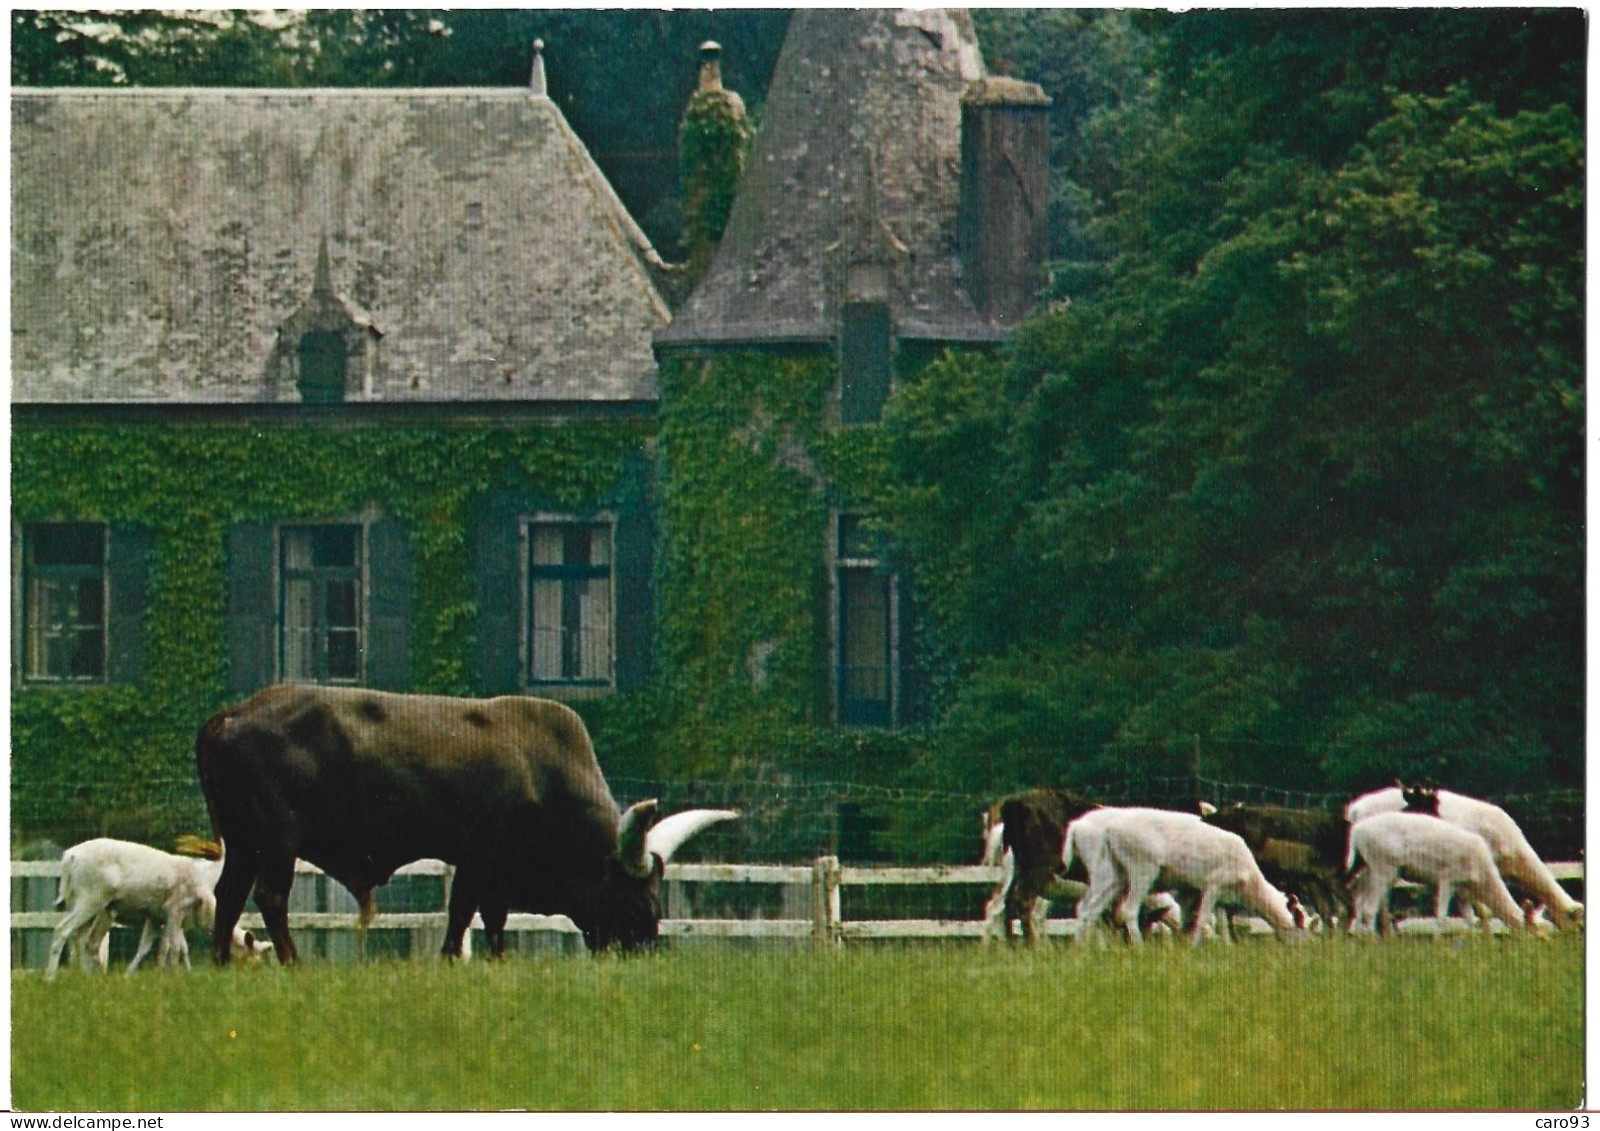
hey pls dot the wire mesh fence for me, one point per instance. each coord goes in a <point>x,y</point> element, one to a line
<point>784,818</point>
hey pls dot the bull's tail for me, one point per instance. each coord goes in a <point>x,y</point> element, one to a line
<point>1067,848</point>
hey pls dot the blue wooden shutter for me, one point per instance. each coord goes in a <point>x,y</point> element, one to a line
<point>635,597</point>
<point>252,608</point>
<point>128,567</point>
<point>389,574</point>
<point>498,581</point>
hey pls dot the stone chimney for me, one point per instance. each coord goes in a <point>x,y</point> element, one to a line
<point>711,67</point>
<point>1004,219</point>
<point>713,139</point>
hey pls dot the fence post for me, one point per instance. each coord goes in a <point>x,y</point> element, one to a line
<point>825,911</point>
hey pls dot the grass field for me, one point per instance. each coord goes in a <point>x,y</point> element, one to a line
<point>1404,1024</point>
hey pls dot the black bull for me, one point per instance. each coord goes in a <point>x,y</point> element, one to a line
<point>361,782</point>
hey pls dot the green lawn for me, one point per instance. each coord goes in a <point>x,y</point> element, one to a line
<point>1408,1024</point>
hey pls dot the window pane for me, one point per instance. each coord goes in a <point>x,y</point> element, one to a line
<point>297,629</point>
<point>341,604</point>
<point>91,601</point>
<point>865,361</point>
<point>547,545</point>
<point>595,610</point>
<point>297,549</point>
<point>323,361</point>
<point>600,545</point>
<point>64,604</point>
<point>67,543</point>
<point>344,654</point>
<point>334,546</point>
<point>321,603</point>
<point>855,538</point>
<point>88,653</point>
<point>546,630</point>
<point>576,547</point>
<point>569,602</point>
<point>864,601</point>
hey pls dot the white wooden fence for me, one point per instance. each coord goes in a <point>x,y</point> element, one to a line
<point>811,905</point>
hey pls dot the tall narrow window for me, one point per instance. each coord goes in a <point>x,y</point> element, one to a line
<point>570,614</point>
<point>866,356</point>
<point>320,604</point>
<point>64,577</point>
<point>865,640</point>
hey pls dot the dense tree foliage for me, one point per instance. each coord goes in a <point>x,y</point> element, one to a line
<point>1298,484</point>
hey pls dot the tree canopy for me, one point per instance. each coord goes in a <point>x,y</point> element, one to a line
<point>1296,478</point>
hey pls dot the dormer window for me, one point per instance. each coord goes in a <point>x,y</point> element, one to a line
<point>320,343</point>
<point>323,359</point>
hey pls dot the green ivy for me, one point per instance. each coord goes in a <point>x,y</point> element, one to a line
<point>741,570</point>
<point>118,759</point>
<point>749,473</point>
<point>713,141</point>
<point>746,474</point>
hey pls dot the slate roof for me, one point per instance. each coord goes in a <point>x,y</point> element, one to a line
<point>857,159</point>
<point>160,239</point>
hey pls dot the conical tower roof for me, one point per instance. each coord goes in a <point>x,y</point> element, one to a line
<point>854,175</point>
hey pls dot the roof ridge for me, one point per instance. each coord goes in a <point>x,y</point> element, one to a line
<point>645,254</point>
<point>273,91</point>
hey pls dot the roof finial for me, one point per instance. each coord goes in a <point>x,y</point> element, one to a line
<point>536,80</point>
<point>322,281</point>
<point>710,65</point>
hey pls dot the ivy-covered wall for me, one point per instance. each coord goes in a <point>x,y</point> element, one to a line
<point>748,472</point>
<point>118,758</point>
<point>741,470</point>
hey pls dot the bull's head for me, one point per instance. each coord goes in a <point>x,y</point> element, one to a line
<point>627,911</point>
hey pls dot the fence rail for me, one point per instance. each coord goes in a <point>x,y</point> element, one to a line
<point>812,905</point>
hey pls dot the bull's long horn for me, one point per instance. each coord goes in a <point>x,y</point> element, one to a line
<point>633,851</point>
<point>668,834</point>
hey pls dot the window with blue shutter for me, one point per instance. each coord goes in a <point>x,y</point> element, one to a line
<point>321,606</point>
<point>64,604</point>
<point>570,605</point>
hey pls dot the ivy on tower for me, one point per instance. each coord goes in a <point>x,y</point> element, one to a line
<point>712,142</point>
